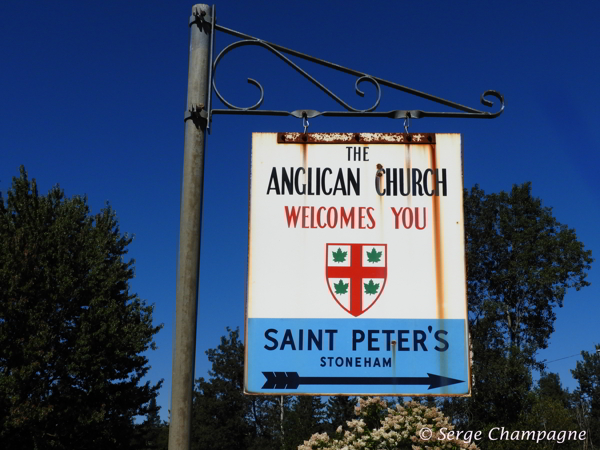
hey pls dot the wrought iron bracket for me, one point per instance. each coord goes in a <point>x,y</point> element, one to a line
<point>202,18</point>
<point>198,114</point>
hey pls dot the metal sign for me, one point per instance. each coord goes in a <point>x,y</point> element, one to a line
<point>356,266</point>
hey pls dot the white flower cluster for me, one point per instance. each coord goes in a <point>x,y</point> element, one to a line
<point>399,429</point>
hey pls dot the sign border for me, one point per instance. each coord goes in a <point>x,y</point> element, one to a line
<point>357,138</point>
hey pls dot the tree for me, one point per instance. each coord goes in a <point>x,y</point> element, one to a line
<point>222,416</point>
<point>152,434</point>
<point>72,336</point>
<point>587,394</point>
<point>500,393</point>
<point>340,409</point>
<point>549,386</point>
<point>548,409</point>
<point>220,407</point>
<point>306,417</point>
<point>551,409</point>
<point>520,263</point>
<point>270,418</point>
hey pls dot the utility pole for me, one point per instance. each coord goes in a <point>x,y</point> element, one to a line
<point>190,230</point>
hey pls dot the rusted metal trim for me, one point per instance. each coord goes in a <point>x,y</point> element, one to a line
<point>356,138</point>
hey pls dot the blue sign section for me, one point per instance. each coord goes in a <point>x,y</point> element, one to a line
<point>357,356</point>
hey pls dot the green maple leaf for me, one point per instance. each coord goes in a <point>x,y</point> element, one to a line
<point>341,287</point>
<point>371,288</point>
<point>339,256</point>
<point>373,256</point>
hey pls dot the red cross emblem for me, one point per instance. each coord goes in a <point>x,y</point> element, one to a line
<point>356,274</point>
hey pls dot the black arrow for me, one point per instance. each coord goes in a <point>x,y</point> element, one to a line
<point>291,380</point>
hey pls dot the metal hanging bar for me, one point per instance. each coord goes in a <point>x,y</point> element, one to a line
<point>462,111</point>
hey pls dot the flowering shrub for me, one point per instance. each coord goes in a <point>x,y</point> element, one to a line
<point>400,429</point>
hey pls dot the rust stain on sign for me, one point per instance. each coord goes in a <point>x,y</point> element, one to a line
<point>437,236</point>
<point>355,138</point>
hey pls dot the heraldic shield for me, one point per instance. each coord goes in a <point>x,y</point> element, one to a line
<point>356,275</point>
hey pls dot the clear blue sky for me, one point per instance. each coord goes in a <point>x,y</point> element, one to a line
<point>93,97</point>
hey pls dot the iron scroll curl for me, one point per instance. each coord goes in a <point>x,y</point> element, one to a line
<point>472,113</point>
<point>457,110</point>
<point>488,103</point>
<point>245,42</point>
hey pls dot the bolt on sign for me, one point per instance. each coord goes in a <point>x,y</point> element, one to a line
<point>356,266</point>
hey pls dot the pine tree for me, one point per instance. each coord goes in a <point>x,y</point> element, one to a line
<point>149,433</point>
<point>339,410</point>
<point>220,407</point>
<point>306,417</point>
<point>72,336</point>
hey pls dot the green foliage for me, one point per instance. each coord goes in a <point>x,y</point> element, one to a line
<point>550,387</point>
<point>306,417</point>
<point>220,408</point>
<point>502,383</point>
<point>339,256</point>
<point>548,408</point>
<point>152,434</point>
<point>520,263</point>
<point>72,336</point>
<point>222,416</point>
<point>339,410</point>
<point>272,433</point>
<point>371,410</point>
<point>587,394</point>
<point>225,418</point>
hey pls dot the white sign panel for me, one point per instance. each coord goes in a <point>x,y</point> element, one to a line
<point>356,269</point>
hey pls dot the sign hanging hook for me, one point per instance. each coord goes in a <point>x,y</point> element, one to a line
<point>406,122</point>
<point>305,122</point>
